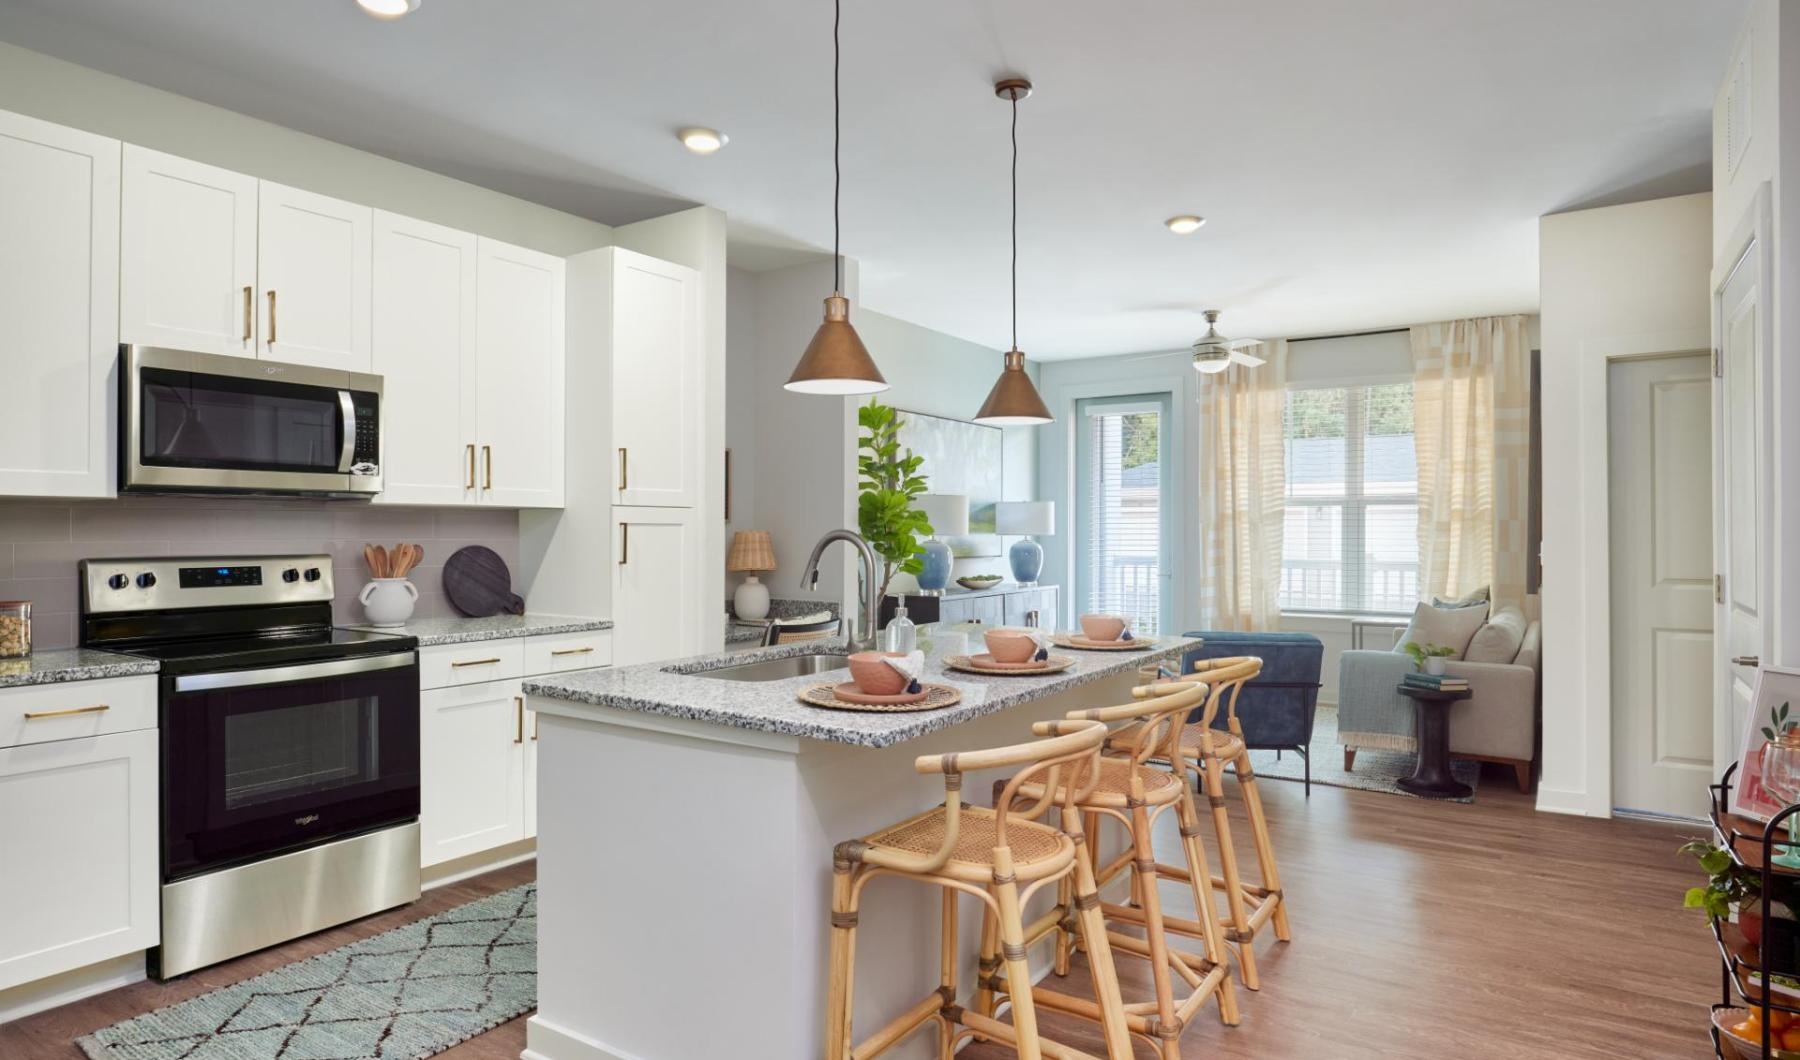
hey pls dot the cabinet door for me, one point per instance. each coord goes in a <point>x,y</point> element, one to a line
<point>519,389</point>
<point>187,255</point>
<point>471,766</point>
<point>656,565</point>
<point>78,844</point>
<point>424,350</point>
<point>656,380</point>
<point>313,261</point>
<point>59,308</point>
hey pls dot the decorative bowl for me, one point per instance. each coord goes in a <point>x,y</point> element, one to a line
<point>1102,627</point>
<point>1009,645</point>
<point>1725,1018</point>
<point>874,677</point>
<point>980,581</point>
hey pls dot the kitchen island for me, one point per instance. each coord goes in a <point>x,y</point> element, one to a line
<point>685,829</point>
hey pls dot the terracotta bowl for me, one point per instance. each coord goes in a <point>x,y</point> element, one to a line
<point>1102,627</point>
<point>1009,645</point>
<point>874,677</point>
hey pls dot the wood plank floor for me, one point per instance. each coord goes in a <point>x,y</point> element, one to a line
<point>1421,930</point>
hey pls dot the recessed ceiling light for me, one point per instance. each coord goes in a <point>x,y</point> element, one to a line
<point>388,10</point>
<point>702,141</point>
<point>1186,224</point>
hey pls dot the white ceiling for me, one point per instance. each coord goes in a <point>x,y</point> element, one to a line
<point>1360,164</point>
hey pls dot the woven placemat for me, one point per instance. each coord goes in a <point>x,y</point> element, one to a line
<point>1056,664</point>
<point>1063,640</point>
<point>937,697</point>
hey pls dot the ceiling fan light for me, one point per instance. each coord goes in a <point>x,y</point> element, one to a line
<point>1014,401</point>
<point>836,361</point>
<point>1211,363</point>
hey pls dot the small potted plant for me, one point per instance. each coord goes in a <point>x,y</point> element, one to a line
<point>1429,657</point>
<point>1734,892</point>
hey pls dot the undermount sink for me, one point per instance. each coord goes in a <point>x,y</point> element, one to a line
<point>780,669</point>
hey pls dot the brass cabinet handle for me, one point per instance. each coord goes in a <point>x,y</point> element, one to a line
<point>249,313</point>
<point>1746,660</point>
<point>487,461</point>
<point>271,317</point>
<point>95,709</point>
<point>519,735</point>
<point>624,468</point>
<point>471,448</point>
<point>728,484</point>
<point>624,543</point>
<point>572,651</point>
<point>475,662</point>
<point>534,724</point>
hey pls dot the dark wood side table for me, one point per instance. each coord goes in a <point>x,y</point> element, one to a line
<point>1431,778</point>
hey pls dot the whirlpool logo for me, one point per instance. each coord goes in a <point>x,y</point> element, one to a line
<point>308,819</point>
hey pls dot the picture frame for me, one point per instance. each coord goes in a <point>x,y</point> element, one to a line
<point>962,457</point>
<point>1776,687</point>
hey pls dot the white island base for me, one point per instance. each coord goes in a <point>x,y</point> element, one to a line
<point>684,881</point>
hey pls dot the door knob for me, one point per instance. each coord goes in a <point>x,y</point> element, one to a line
<point>1746,660</point>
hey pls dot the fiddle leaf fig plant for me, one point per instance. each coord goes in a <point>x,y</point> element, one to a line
<point>1419,653</point>
<point>887,511</point>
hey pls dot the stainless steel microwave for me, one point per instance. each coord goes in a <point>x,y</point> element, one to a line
<point>202,423</point>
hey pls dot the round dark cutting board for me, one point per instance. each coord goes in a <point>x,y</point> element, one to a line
<point>478,584</point>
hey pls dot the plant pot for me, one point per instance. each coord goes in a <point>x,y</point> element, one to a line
<point>1435,665</point>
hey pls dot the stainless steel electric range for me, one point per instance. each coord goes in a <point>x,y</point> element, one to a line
<point>290,749</point>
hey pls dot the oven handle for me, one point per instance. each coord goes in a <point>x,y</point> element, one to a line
<point>347,453</point>
<point>283,674</point>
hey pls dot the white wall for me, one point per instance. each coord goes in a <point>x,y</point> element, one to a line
<point>1620,281</point>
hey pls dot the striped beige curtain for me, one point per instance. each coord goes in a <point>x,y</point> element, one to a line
<point>1471,422</point>
<point>1243,488</point>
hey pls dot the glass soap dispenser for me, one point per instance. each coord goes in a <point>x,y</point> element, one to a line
<point>902,635</point>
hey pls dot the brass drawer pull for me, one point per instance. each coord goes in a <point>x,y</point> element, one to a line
<point>271,317</point>
<point>471,484</point>
<point>572,651</point>
<point>519,735</point>
<point>474,662</point>
<point>72,711</point>
<point>249,313</point>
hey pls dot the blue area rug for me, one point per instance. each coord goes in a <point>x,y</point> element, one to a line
<point>407,993</point>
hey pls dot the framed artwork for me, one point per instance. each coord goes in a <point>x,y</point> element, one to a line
<point>961,457</point>
<point>1774,708</point>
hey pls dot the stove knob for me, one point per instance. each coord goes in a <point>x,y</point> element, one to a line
<point>117,581</point>
<point>146,580</point>
<point>312,574</point>
<point>290,575</point>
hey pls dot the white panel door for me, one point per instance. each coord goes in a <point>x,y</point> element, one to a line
<point>59,308</point>
<point>656,565</point>
<point>424,350</point>
<point>80,880</point>
<point>519,390</point>
<point>187,255</point>
<point>1660,453</point>
<point>471,787</point>
<point>656,373</point>
<point>313,260</point>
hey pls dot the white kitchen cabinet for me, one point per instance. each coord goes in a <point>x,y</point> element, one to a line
<point>314,257</point>
<point>424,350</point>
<point>472,789</point>
<point>80,882</point>
<point>59,308</point>
<point>655,585</point>
<point>656,363</point>
<point>187,255</point>
<point>519,380</point>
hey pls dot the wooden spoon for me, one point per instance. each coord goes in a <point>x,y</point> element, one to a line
<point>373,560</point>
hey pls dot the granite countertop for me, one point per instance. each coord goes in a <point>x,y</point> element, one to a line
<point>681,689</point>
<point>459,630</point>
<point>70,664</point>
<point>740,633</point>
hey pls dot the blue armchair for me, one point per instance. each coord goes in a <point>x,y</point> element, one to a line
<point>1275,710</point>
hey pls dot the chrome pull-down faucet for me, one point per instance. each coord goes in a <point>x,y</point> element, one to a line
<point>809,579</point>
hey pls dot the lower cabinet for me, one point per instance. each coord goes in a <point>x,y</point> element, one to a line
<point>78,854</point>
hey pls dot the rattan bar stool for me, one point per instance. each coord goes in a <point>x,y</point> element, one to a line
<point>1249,906</point>
<point>1135,793</point>
<point>1002,858</point>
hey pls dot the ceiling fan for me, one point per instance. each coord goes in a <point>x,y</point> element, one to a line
<point>1214,352</point>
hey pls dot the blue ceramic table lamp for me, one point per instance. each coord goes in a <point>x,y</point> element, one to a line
<point>949,515</point>
<point>1025,517</point>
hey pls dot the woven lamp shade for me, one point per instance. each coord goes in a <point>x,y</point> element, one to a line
<point>751,550</point>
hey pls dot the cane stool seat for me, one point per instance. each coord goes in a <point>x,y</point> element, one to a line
<point>1225,746</point>
<point>1038,850</point>
<point>1161,787</point>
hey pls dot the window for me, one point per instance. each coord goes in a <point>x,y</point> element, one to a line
<point>1350,540</point>
<point>1122,468</point>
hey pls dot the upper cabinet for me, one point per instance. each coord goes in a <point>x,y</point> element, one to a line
<point>59,308</point>
<point>187,259</point>
<point>655,375</point>
<point>424,350</point>
<point>519,384</point>
<point>313,262</point>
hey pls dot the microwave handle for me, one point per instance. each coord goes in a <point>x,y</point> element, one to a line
<point>347,453</point>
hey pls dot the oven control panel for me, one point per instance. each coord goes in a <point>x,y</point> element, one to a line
<point>163,583</point>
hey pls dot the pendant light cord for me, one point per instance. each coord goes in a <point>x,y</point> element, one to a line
<point>837,169</point>
<point>1015,219</point>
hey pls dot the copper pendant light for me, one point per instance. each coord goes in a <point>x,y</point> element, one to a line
<point>836,361</point>
<point>1014,401</point>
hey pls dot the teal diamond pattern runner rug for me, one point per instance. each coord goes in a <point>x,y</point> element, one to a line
<point>404,994</point>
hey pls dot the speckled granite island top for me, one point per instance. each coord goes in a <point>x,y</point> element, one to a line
<point>70,664</point>
<point>682,689</point>
<point>460,630</point>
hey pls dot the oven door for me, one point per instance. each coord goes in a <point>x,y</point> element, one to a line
<point>201,422</point>
<point>257,762</point>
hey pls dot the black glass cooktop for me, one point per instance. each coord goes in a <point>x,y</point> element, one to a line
<point>274,648</point>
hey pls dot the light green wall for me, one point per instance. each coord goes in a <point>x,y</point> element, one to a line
<point>53,90</point>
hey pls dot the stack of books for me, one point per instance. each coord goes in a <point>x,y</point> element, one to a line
<point>1445,683</point>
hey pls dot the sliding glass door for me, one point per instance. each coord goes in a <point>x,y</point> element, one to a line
<point>1123,509</point>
